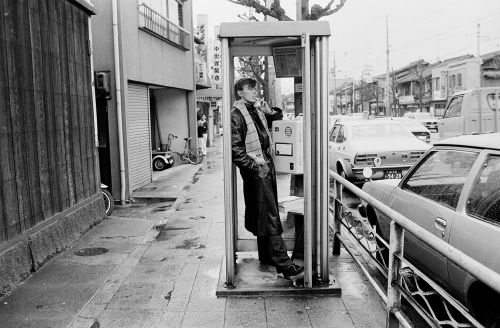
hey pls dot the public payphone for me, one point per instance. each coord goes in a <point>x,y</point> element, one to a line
<point>299,49</point>
<point>288,141</point>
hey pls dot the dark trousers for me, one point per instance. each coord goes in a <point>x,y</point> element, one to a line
<point>272,251</point>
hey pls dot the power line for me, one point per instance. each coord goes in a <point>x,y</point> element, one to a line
<point>471,24</point>
<point>447,34</point>
<point>404,49</point>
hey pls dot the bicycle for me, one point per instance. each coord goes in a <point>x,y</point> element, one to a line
<point>187,154</point>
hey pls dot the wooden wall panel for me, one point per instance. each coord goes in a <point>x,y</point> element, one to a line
<point>49,108</point>
<point>75,125</point>
<point>62,177</point>
<point>30,126</point>
<point>63,56</point>
<point>47,155</point>
<point>79,53</point>
<point>36,21</point>
<point>8,186</point>
<point>15,225</point>
<point>87,94</point>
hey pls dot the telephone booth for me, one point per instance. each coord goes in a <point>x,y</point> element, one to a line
<point>299,50</point>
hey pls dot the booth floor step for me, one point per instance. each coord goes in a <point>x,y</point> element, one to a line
<point>255,279</point>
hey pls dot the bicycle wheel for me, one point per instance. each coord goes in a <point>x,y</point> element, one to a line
<point>194,159</point>
<point>109,203</point>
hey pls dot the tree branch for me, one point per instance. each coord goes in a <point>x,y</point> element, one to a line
<point>317,11</point>
<point>246,18</point>
<point>275,11</point>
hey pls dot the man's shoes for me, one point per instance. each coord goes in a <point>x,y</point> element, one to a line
<point>290,271</point>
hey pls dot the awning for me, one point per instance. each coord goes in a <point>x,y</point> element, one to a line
<point>492,74</point>
<point>209,93</point>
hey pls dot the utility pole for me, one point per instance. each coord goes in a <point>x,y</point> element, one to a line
<point>478,39</point>
<point>478,55</point>
<point>334,85</point>
<point>353,96</point>
<point>387,76</point>
<point>346,96</point>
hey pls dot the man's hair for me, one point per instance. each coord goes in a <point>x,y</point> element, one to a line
<point>240,84</point>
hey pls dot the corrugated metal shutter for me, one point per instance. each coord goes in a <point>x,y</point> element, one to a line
<point>139,141</point>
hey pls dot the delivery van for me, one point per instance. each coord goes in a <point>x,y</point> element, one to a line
<point>473,111</point>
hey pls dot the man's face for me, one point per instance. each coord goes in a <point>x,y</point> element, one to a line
<point>248,94</point>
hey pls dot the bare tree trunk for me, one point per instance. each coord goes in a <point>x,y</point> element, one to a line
<point>304,8</point>
<point>266,85</point>
<point>420,94</point>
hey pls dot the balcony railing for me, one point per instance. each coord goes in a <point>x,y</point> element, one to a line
<point>159,26</point>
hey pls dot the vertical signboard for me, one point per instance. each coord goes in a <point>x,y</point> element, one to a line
<point>216,75</point>
<point>444,82</point>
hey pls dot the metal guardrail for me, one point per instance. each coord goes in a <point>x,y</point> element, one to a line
<point>158,25</point>
<point>404,279</point>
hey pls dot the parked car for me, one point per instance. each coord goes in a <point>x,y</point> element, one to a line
<point>384,145</point>
<point>453,191</point>
<point>426,119</point>
<point>337,118</point>
<point>471,111</point>
<point>417,129</point>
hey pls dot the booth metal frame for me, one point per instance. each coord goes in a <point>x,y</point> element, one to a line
<point>258,39</point>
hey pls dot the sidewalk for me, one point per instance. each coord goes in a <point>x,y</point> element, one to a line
<point>162,266</point>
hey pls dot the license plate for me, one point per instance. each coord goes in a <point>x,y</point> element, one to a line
<point>393,174</point>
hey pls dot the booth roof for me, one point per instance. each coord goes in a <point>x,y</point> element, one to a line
<point>274,29</point>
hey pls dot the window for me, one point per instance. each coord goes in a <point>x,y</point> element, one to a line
<point>439,110</point>
<point>163,18</point>
<point>171,9</point>
<point>159,6</point>
<point>455,107</point>
<point>200,72</point>
<point>459,80</point>
<point>174,12</point>
<point>436,87</point>
<point>340,136</point>
<point>451,81</point>
<point>484,199</point>
<point>428,86</point>
<point>334,132</point>
<point>441,176</point>
<point>180,14</point>
<point>493,100</point>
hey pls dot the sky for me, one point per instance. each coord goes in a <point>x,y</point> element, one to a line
<point>432,30</point>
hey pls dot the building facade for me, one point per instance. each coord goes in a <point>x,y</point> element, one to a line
<point>147,61</point>
<point>463,73</point>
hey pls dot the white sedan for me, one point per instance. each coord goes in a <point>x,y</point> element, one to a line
<point>385,146</point>
<point>417,129</point>
<point>425,119</point>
